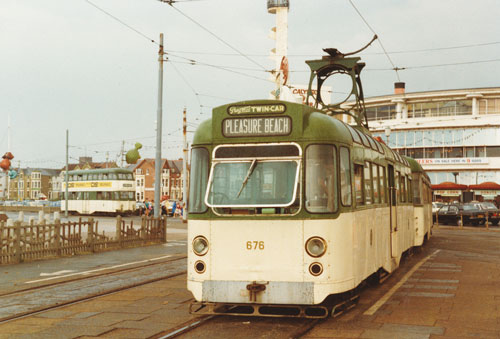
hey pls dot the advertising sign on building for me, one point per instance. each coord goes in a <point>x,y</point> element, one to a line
<point>453,161</point>
<point>300,92</point>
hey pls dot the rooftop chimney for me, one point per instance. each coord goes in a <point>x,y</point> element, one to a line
<point>399,88</point>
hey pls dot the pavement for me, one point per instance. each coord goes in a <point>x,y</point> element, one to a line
<point>20,276</point>
<point>448,289</point>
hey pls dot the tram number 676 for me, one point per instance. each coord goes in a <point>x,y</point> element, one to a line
<point>255,245</point>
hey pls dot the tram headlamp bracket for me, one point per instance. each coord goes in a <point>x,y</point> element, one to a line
<point>200,245</point>
<point>316,247</point>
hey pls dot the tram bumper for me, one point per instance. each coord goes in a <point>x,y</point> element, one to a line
<point>275,292</point>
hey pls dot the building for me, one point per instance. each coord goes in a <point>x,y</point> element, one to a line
<point>31,184</point>
<point>454,134</point>
<point>172,179</point>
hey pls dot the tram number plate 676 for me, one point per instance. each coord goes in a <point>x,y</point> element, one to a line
<point>255,245</point>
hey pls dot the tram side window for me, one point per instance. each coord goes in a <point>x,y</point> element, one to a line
<point>198,180</point>
<point>376,189</point>
<point>358,184</point>
<point>403,188</point>
<point>99,196</point>
<point>368,183</point>
<point>382,182</point>
<point>409,189</point>
<point>345,177</point>
<point>398,186</point>
<point>321,179</point>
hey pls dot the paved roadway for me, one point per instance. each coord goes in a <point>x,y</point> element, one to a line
<point>449,289</point>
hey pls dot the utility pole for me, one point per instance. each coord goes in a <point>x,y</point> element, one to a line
<point>159,112</point>
<point>6,192</point>
<point>122,153</point>
<point>66,176</point>
<point>184,167</point>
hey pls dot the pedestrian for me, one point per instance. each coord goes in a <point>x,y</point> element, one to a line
<point>174,207</point>
<point>147,206</point>
<point>152,207</point>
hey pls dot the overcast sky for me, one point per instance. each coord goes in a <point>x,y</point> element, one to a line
<point>64,64</point>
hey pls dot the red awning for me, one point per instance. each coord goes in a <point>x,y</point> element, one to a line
<point>447,185</point>
<point>486,186</point>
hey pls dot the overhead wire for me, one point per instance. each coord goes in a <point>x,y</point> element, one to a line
<point>122,22</point>
<point>216,36</point>
<point>379,40</point>
<point>370,53</point>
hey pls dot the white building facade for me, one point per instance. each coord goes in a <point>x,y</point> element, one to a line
<point>454,134</point>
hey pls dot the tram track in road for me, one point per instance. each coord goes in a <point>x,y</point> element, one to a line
<point>41,298</point>
<point>228,326</point>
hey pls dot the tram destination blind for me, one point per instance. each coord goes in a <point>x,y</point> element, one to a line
<point>261,126</point>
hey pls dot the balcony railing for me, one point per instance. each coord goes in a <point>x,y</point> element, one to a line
<point>277,3</point>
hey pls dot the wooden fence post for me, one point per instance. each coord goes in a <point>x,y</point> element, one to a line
<point>57,236</point>
<point>17,243</point>
<point>143,228</point>
<point>90,235</point>
<point>164,228</point>
<point>119,230</point>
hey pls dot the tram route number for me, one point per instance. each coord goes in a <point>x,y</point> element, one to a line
<point>255,245</point>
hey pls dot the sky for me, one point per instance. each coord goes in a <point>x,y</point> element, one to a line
<point>91,66</point>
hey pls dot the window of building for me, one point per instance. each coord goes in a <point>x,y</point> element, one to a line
<point>434,153</point>
<point>493,151</point>
<point>469,152</point>
<point>415,153</point>
<point>480,152</point>
<point>138,171</point>
<point>147,171</point>
<point>454,152</point>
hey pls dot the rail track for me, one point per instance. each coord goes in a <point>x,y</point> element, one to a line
<point>29,301</point>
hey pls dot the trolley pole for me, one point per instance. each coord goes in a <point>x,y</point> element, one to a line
<point>184,167</point>
<point>66,177</point>
<point>159,112</point>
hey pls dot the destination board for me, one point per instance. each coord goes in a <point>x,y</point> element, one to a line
<point>265,126</point>
<point>88,184</point>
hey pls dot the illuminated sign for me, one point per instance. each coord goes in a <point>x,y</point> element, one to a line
<point>256,109</point>
<point>268,126</point>
<point>453,161</point>
<point>449,193</point>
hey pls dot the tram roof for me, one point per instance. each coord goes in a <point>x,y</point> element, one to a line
<point>309,124</point>
<point>101,170</point>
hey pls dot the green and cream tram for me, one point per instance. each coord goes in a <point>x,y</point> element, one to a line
<point>106,191</point>
<point>289,205</point>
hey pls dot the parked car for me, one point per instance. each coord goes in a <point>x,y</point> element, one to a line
<point>457,214</point>
<point>492,211</point>
<point>436,206</point>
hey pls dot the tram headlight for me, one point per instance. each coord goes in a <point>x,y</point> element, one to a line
<point>200,245</point>
<point>315,247</point>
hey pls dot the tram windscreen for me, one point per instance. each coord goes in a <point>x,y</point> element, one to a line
<point>253,183</point>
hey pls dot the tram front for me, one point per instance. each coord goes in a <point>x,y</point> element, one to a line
<point>249,238</point>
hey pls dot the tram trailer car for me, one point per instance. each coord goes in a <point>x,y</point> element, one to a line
<point>100,191</point>
<point>289,206</point>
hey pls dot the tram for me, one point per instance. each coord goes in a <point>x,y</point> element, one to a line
<point>290,208</point>
<point>100,191</point>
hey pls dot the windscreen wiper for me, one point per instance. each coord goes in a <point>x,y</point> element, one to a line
<point>249,173</point>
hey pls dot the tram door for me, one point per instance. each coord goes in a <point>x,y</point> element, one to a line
<point>393,213</point>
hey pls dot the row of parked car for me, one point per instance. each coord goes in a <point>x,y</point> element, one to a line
<point>473,213</point>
